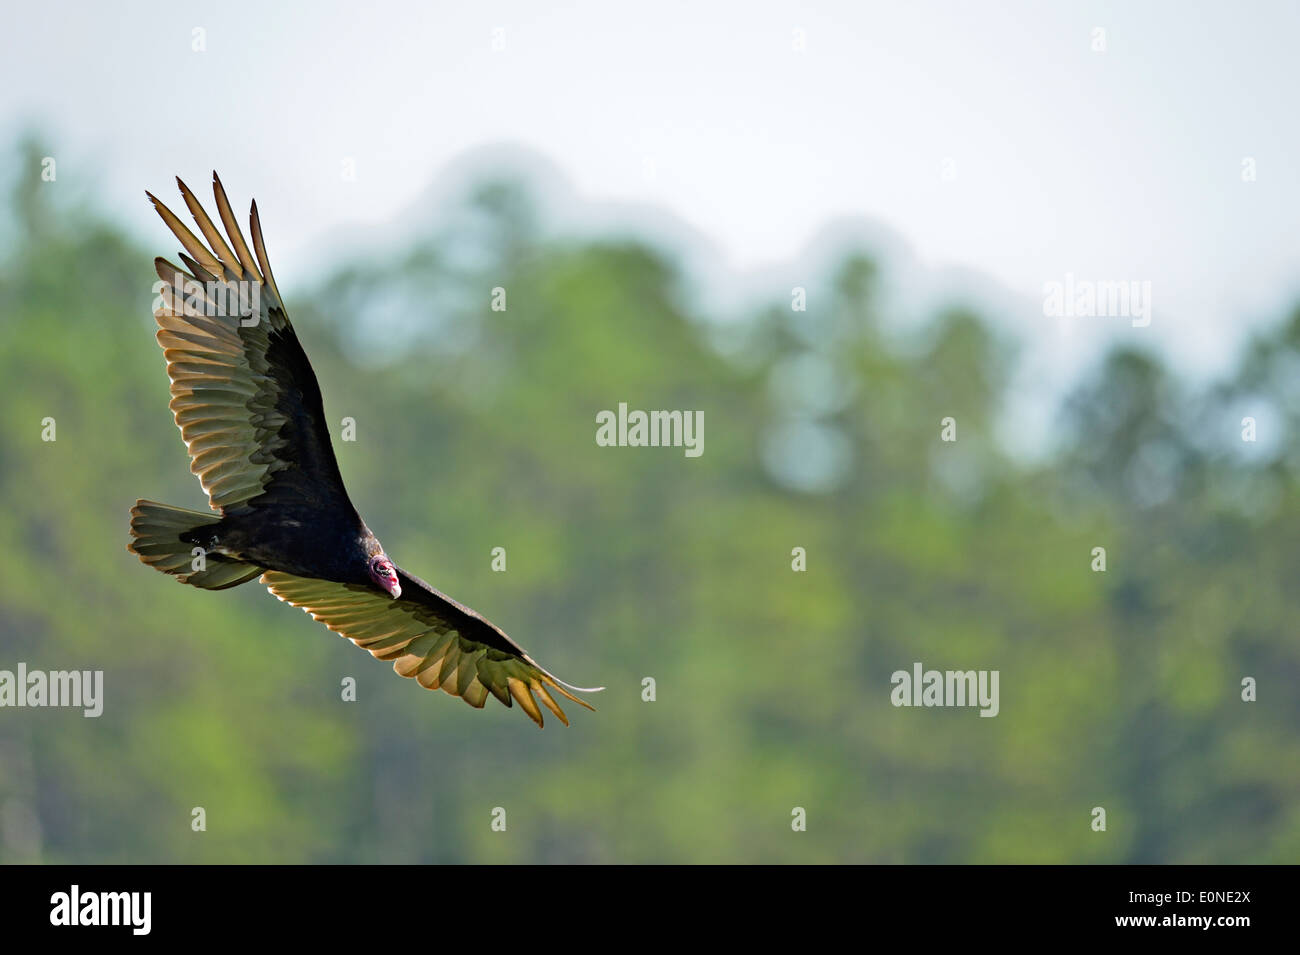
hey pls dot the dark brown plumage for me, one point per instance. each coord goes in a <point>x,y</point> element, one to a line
<point>250,411</point>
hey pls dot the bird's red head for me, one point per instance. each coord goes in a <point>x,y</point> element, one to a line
<point>384,574</point>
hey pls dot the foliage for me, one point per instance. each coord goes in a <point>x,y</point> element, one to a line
<point>475,429</point>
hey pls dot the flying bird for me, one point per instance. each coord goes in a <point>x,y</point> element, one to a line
<point>250,412</point>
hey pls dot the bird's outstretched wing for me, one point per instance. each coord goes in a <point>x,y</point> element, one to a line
<point>243,393</point>
<point>430,637</point>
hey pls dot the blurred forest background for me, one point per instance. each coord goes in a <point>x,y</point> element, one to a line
<point>475,429</point>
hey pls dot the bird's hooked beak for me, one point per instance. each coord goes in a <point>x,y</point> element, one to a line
<point>384,574</point>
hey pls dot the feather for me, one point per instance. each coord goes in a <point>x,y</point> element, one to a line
<point>211,233</point>
<point>246,262</point>
<point>192,245</point>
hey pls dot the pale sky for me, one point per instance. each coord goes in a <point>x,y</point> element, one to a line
<point>1114,165</point>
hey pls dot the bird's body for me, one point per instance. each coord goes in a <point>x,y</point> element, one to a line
<point>335,549</point>
<point>250,411</point>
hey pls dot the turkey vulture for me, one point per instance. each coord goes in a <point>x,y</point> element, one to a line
<point>249,409</point>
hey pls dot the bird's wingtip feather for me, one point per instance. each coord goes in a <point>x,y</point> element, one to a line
<point>579,689</point>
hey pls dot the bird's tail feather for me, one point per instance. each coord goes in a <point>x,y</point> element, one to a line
<point>156,538</point>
